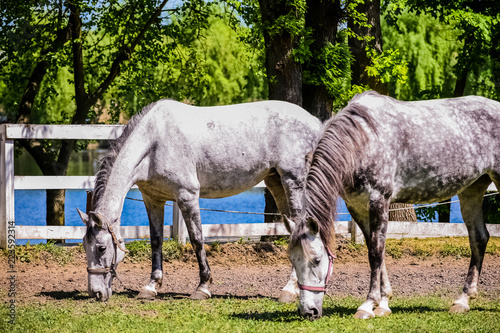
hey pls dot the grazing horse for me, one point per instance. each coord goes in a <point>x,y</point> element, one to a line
<point>177,152</point>
<point>379,150</point>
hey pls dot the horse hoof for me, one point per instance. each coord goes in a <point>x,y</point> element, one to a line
<point>199,295</point>
<point>362,314</point>
<point>381,312</point>
<point>147,294</point>
<point>459,308</point>
<point>287,297</point>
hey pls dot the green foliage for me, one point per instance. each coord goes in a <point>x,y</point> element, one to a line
<point>394,250</point>
<point>292,23</point>
<point>451,39</point>
<point>388,66</point>
<point>281,241</point>
<point>430,48</point>
<point>215,69</point>
<point>49,252</point>
<point>242,240</point>
<point>138,250</point>
<point>428,214</point>
<point>215,246</point>
<point>491,209</point>
<point>172,249</point>
<point>450,249</point>
<point>141,250</point>
<point>330,68</point>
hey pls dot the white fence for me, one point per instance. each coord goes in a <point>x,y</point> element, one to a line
<point>9,182</point>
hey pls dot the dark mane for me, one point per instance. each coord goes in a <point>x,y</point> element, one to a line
<point>108,160</point>
<point>334,162</point>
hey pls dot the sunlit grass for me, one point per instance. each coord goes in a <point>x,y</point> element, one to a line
<point>124,313</point>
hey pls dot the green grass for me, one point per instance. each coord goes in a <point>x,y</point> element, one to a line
<point>441,247</point>
<point>126,314</point>
<point>49,251</point>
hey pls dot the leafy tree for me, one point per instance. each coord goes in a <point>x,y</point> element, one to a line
<point>94,42</point>
<point>477,22</point>
<point>215,69</point>
<point>430,48</point>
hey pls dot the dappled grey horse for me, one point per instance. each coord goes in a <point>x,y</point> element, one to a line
<point>177,152</point>
<point>377,151</point>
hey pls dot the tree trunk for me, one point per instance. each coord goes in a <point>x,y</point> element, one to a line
<point>55,209</point>
<point>323,18</point>
<point>284,75</point>
<point>405,213</point>
<point>357,47</point>
<point>360,77</point>
<point>444,215</point>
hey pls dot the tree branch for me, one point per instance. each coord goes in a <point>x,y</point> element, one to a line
<point>23,115</point>
<point>81,95</point>
<point>125,54</point>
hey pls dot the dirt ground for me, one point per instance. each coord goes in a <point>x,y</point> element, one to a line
<point>250,270</point>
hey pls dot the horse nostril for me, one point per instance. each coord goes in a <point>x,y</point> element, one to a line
<point>313,314</point>
<point>98,295</point>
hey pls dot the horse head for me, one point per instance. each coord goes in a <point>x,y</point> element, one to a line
<point>312,261</point>
<point>104,250</point>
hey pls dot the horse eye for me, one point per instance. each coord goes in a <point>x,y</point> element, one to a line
<point>316,261</point>
<point>101,249</point>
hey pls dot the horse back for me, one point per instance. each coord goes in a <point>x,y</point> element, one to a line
<point>430,150</point>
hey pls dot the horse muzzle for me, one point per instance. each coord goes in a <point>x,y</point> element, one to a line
<point>100,294</point>
<point>311,313</point>
<point>99,283</point>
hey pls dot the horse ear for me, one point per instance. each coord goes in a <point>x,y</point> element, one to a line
<point>313,225</point>
<point>83,216</point>
<point>97,218</point>
<point>289,224</point>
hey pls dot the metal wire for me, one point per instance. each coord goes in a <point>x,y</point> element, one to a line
<point>278,214</point>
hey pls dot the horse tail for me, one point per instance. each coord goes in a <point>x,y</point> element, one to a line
<point>335,161</point>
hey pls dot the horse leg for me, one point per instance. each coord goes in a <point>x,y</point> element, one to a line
<point>383,310</point>
<point>471,207</point>
<point>188,201</point>
<point>155,210</point>
<point>291,291</point>
<point>373,224</point>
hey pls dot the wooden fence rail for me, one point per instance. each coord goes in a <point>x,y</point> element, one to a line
<point>9,182</point>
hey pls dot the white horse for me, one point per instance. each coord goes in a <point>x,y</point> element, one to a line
<point>177,152</point>
<point>379,150</point>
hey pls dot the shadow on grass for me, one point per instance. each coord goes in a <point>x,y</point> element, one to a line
<point>78,295</point>
<point>274,316</point>
<point>64,295</point>
<point>338,311</point>
<point>166,296</point>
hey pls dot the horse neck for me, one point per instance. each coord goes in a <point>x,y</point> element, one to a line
<point>125,171</point>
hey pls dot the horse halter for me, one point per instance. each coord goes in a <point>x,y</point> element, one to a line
<point>331,258</point>
<point>116,245</point>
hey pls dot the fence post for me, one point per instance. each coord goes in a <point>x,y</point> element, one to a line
<point>353,231</point>
<point>7,218</point>
<point>179,229</point>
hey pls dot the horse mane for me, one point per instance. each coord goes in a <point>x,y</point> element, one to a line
<point>106,163</point>
<point>334,163</point>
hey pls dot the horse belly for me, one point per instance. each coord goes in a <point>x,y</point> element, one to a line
<point>224,184</point>
<point>433,188</point>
